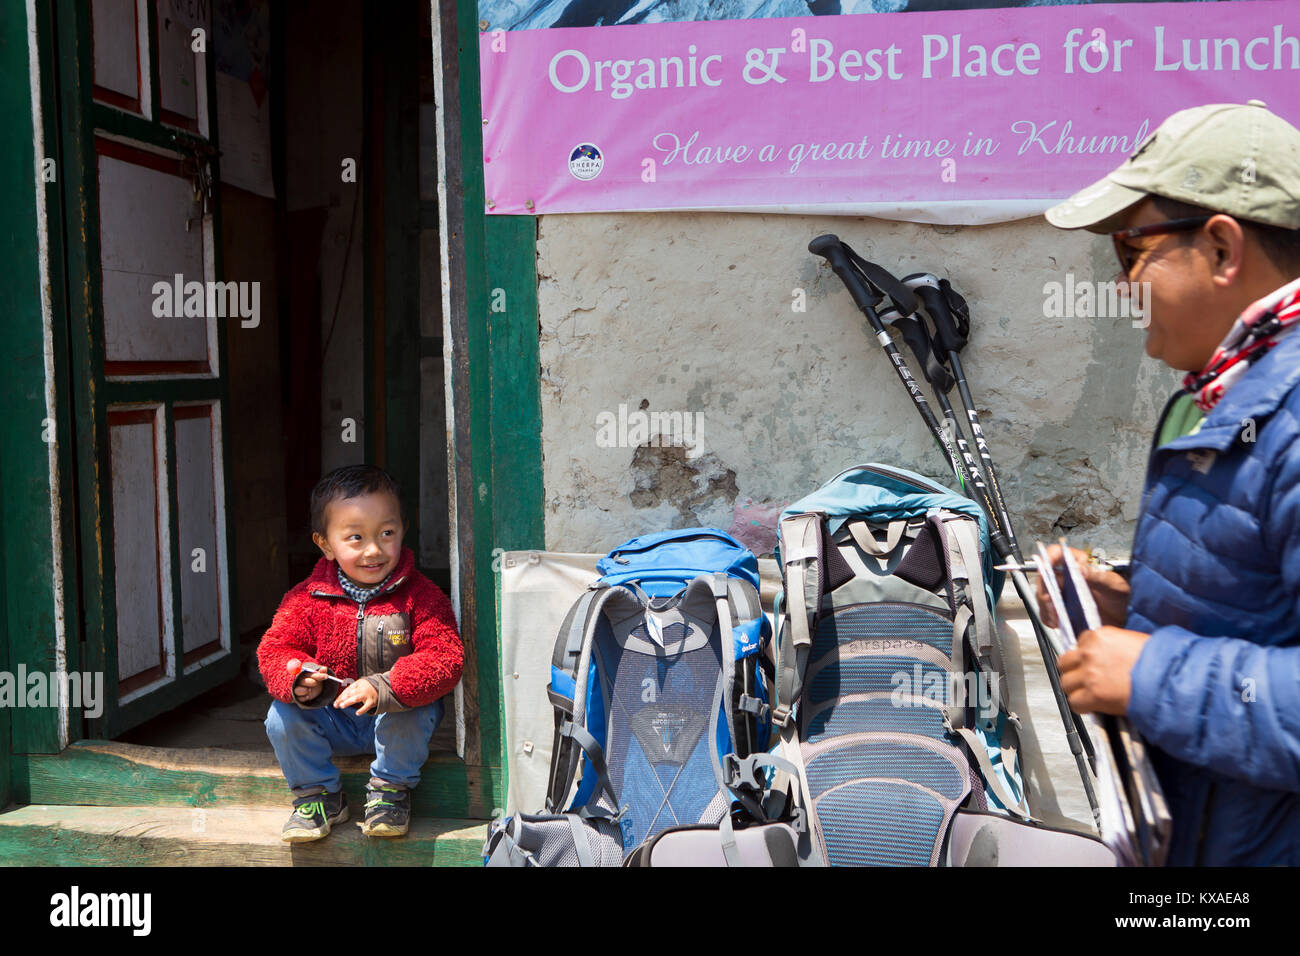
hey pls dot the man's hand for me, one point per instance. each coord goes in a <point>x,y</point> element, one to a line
<point>308,685</point>
<point>1109,589</point>
<point>359,692</point>
<point>1097,675</point>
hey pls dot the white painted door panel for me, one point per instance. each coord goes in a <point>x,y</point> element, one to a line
<point>143,241</point>
<point>115,41</point>
<point>202,558</point>
<point>140,556</point>
<point>182,71</point>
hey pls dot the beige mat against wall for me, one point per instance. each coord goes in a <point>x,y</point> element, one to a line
<point>538,588</point>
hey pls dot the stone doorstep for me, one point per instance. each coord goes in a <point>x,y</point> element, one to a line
<point>111,773</point>
<point>41,835</point>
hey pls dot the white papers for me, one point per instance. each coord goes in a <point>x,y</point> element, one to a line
<point>1135,821</point>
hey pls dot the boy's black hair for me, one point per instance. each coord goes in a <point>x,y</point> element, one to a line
<point>349,482</point>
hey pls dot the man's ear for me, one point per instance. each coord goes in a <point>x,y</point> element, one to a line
<point>1227,247</point>
<point>323,544</point>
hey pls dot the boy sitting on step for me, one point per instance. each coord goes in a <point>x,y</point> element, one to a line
<point>356,660</point>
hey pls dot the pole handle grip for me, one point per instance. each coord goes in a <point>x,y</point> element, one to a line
<point>918,340</point>
<point>949,332</point>
<point>829,247</point>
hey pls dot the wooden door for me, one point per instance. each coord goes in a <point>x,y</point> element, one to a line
<point>153,481</point>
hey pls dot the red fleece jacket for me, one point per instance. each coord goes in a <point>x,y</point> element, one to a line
<point>317,622</point>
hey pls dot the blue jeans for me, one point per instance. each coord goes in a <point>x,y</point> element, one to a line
<point>304,741</point>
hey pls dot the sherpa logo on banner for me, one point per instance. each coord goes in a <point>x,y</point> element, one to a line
<point>585,162</point>
<point>39,689</point>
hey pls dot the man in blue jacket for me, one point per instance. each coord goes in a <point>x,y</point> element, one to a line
<point>1202,650</point>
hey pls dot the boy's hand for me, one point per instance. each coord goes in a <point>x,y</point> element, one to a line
<point>1097,675</point>
<point>308,686</point>
<point>1109,589</point>
<point>359,692</point>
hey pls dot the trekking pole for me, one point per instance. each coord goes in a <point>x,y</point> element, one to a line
<point>951,335</point>
<point>915,334</point>
<point>951,317</point>
<point>864,293</point>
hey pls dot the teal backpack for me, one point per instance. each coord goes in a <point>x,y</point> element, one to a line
<point>889,675</point>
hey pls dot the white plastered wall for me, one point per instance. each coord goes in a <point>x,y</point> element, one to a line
<point>694,313</point>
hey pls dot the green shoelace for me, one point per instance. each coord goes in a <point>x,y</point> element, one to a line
<point>378,799</point>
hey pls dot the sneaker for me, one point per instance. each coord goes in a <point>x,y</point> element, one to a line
<point>313,816</point>
<point>388,811</point>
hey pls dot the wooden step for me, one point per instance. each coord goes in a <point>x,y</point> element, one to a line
<point>227,836</point>
<point>114,774</point>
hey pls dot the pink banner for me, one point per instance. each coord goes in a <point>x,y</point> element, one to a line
<point>837,113</point>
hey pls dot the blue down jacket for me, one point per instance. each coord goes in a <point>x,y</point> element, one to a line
<point>1216,583</point>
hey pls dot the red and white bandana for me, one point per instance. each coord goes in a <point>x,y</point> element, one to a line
<point>1258,329</point>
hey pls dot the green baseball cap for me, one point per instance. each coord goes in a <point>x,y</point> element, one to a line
<point>1243,160</point>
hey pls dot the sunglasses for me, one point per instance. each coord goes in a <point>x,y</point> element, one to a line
<point>1128,256</point>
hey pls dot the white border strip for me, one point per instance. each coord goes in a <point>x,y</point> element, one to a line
<point>51,407</point>
<point>143,63</point>
<point>975,212</point>
<point>444,262</point>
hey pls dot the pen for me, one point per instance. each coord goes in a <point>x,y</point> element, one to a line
<point>296,666</point>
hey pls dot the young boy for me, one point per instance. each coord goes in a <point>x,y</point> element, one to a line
<point>364,614</point>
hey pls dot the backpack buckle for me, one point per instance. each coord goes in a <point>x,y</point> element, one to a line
<point>743,773</point>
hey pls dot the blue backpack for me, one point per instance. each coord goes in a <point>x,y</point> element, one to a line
<point>659,686</point>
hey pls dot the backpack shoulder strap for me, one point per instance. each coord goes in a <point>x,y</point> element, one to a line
<point>966,572</point>
<point>570,666</point>
<point>802,556</point>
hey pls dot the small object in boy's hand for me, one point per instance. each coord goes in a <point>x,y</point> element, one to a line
<point>296,667</point>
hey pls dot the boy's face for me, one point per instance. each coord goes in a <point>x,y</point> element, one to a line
<point>364,535</point>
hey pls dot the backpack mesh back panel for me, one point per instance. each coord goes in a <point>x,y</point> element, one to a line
<point>880,823</point>
<point>659,750</point>
<point>879,711</point>
<point>883,774</point>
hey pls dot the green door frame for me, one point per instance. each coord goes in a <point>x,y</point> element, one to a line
<point>496,434</point>
<point>37,553</point>
<point>23,475</point>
